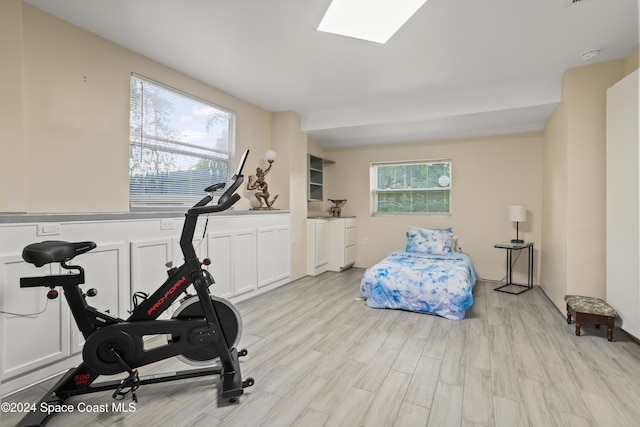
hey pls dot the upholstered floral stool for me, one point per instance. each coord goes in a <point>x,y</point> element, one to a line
<point>591,310</point>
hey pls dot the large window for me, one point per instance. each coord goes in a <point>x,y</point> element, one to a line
<point>421,187</point>
<point>179,145</point>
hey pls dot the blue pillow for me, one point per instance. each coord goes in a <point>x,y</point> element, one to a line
<point>433,242</point>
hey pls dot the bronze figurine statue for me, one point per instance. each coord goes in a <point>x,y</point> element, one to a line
<point>335,210</point>
<point>262,188</point>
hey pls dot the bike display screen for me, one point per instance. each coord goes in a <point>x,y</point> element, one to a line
<point>242,161</point>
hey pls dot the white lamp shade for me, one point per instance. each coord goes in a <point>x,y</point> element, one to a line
<point>517,213</point>
<point>270,155</point>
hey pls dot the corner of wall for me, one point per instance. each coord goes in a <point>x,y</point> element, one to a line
<point>632,61</point>
<point>574,194</point>
<point>289,141</point>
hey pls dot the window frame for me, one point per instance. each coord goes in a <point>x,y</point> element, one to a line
<point>176,146</point>
<point>375,191</point>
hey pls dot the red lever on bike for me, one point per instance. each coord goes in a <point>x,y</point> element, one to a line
<point>52,294</point>
<point>206,261</point>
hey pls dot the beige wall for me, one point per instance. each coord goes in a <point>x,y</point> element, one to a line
<point>12,162</point>
<point>64,145</point>
<point>573,233</point>
<point>291,146</point>
<point>586,176</point>
<point>553,275</point>
<point>488,174</point>
<point>632,61</point>
<point>76,98</point>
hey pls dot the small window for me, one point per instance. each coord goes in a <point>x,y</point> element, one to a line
<point>421,187</point>
<point>179,145</point>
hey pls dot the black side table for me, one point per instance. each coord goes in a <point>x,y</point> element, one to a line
<point>510,247</point>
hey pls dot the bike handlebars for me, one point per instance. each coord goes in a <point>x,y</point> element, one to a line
<point>228,198</point>
<point>200,210</point>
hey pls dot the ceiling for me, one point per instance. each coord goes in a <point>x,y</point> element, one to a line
<point>457,68</point>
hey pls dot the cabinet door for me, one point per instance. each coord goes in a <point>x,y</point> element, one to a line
<point>29,342</point>
<point>349,255</point>
<point>350,237</point>
<point>233,262</point>
<point>244,260</point>
<point>282,262</point>
<point>106,271</point>
<point>266,255</point>
<point>148,271</point>
<point>220,247</point>
<point>322,247</point>
<point>273,254</point>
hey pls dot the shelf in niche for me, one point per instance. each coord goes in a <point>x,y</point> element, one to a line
<point>315,177</point>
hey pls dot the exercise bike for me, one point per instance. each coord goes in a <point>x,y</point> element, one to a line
<point>203,330</point>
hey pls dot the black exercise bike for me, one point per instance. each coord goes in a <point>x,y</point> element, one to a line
<point>203,330</point>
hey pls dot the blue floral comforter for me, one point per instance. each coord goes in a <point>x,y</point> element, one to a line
<point>438,284</point>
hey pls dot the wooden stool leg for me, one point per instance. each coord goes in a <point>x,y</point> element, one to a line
<point>568,315</point>
<point>610,322</point>
<point>578,320</point>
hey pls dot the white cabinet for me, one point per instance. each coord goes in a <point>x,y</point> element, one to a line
<point>342,243</point>
<point>331,244</point>
<point>317,246</point>
<point>623,201</point>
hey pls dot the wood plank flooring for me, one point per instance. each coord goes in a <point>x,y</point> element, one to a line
<point>322,358</point>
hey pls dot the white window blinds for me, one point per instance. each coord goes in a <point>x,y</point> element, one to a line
<point>179,145</point>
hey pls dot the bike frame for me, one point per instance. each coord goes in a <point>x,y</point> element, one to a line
<point>144,321</point>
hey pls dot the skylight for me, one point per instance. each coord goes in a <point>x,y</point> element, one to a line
<point>372,20</point>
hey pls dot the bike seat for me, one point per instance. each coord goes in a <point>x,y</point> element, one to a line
<point>49,251</point>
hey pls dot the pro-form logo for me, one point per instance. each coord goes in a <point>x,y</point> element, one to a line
<point>163,298</point>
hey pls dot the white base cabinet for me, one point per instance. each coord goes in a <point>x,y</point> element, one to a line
<point>331,244</point>
<point>250,254</point>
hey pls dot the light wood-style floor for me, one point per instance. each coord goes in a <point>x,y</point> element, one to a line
<point>322,358</point>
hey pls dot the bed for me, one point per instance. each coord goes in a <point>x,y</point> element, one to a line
<point>428,276</point>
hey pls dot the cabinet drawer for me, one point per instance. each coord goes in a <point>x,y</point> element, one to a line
<point>350,223</point>
<point>350,237</point>
<point>349,255</point>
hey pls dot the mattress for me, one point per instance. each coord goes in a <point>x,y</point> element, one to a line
<point>438,284</point>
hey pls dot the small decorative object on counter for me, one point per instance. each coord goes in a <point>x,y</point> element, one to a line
<point>261,186</point>
<point>335,210</point>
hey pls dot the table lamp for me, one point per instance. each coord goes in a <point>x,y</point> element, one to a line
<point>517,213</point>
